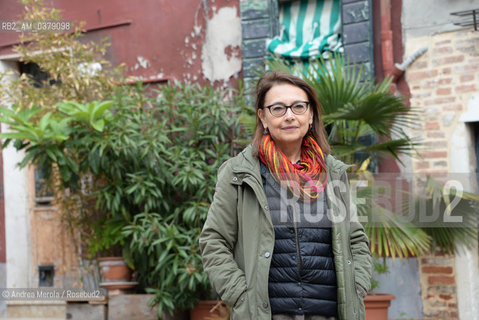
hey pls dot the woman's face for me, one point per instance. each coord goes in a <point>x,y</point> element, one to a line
<point>289,129</point>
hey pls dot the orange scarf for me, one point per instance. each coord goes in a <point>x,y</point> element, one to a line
<point>306,180</point>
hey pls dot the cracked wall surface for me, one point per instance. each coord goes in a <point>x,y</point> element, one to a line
<point>221,53</point>
<point>157,41</point>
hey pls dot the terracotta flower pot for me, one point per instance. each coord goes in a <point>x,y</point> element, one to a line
<point>377,306</point>
<point>114,269</point>
<point>209,310</point>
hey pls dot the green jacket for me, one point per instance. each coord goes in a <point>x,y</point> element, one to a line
<point>238,239</point>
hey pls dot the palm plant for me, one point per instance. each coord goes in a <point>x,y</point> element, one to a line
<point>355,109</point>
<point>356,112</point>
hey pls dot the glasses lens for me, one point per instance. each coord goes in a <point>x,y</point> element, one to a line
<point>277,110</point>
<point>300,107</point>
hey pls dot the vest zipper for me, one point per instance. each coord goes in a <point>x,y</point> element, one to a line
<point>298,253</point>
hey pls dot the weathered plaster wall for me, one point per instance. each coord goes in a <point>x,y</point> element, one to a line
<point>428,17</point>
<point>17,222</point>
<point>467,280</point>
<point>402,281</point>
<point>194,40</point>
<point>221,52</point>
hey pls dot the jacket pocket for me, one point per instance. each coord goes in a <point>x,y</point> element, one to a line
<point>240,310</point>
<point>360,293</point>
<point>360,312</point>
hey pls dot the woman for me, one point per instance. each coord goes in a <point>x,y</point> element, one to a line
<point>279,241</point>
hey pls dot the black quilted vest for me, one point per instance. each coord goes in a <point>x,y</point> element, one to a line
<point>302,277</point>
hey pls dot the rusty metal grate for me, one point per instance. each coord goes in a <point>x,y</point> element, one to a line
<point>467,18</point>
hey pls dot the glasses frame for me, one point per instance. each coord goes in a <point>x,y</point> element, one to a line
<point>287,107</point>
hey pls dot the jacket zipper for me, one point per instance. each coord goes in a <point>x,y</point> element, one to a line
<point>295,224</point>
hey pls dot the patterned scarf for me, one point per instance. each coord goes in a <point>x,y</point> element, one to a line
<point>305,180</point>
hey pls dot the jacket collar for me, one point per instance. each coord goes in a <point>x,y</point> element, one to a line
<point>250,164</point>
<point>335,167</point>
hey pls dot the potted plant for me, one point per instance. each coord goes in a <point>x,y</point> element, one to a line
<point>107,244</point>
<point>377,305</point>
<point>210,310</point>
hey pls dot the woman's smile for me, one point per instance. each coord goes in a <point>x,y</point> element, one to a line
<point>290,128</point>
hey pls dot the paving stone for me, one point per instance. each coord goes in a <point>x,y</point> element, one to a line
<point>85,310</point>
<point>131,306</point>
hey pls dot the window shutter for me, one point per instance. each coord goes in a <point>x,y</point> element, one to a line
<point>356,16</point>
<point>259,22</point>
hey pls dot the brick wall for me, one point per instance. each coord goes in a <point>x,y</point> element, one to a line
<point>438,286</point>
<point>441,83</point>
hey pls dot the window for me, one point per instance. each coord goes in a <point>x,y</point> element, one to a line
<point>39,77</point>
<point>43,194</point>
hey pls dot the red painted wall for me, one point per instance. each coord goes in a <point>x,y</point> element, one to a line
<point>152,29</point>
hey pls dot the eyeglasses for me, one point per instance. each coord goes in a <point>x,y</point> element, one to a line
<point>279,109</point>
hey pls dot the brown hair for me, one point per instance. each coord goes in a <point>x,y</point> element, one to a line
<point>272,78</point>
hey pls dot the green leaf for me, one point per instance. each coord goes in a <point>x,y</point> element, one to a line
<point>98,125</point>
<point>51,154</point>
<point>6,143</point>
<point>18,136</point>
<point>44,121</point>
<point>100,108</point>
<point>65,173</point>
<point>30,157</point>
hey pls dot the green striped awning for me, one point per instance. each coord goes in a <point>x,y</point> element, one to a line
<point>309,28</point>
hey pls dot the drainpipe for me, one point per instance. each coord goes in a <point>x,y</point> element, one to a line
<point>386,37</point>
<point>399,69</point>
<point>390,69</point>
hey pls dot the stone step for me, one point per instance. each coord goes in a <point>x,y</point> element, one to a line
<point>36,310</point>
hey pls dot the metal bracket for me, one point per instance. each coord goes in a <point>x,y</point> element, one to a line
<point>466,20</point>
